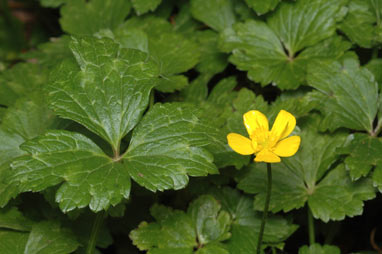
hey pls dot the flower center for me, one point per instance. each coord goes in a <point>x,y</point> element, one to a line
<point>262,139</point>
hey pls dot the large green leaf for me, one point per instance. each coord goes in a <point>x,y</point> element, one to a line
<point>363,154</point>
<point>217,14</point>
<point>348,94</point>
<point>278,51</point>
<point>82,17</point>
<point>308,177</point>
<point>167,146</point>
<point>200,229</point>
<point>143,6</point>
<point>107,90</point>
<point>89,177</point>
<point>318,249</point>
<point>363,22</point>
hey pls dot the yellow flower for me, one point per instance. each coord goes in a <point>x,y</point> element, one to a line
<point>266,145</point>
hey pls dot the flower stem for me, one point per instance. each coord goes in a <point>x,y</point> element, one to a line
<point>311,227</point>
<point>94,234</point>
<point>266,206</point>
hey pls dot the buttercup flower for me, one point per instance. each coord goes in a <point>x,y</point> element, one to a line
<point>268,146</point>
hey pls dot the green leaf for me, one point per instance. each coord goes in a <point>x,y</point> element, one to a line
<point>167,146</point>
<point>363,154</point>
<point>12,242</point>
<point>318,249</point>
<point>264,6</point>
<point>277,51</point>
<point>246,222</point>
<point>21,80</point>
<point>88,17</point>
<point>349,93</point>
<point>49,237</point>
<point>201,228</point>
<point>212,60</point>
<point>107,90</point>
<point>46,237</point>
<point>89,176</point>
<point>308,177</point>
<point>363,22</point>
<point>50,53</point>
<point>144,6</point>
<point>172,51</point>
<point>217,14</point>
<point>12,218</point>
<point>374,66</point>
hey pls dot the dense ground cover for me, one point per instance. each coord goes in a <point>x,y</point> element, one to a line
<point>114,117</point>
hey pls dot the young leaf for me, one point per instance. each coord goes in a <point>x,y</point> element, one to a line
<point>278,51</point>
<point>201,228</point>
<point>90,177</point>
<point>349,93</point>
<point>318,249</point>
<point>83,17</point>
<point>167,146</point>
<point>331,195</point>
<point>107,90</point>
<point>217,14</point>
<point>363,22</point>
<point>144,6</point>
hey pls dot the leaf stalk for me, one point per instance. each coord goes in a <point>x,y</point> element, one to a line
<point>312,237</point>
<point>98,221</point>
<point>266,207</point>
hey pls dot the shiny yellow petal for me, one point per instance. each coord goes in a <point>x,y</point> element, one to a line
<point>284,125</point>
<point>287,147</point>
<point>267,156</point>
<point>253,120</point>
<point>240,144</point>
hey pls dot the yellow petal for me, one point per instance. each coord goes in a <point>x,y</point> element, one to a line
<point>267,156</point>
<point>287,147</point>
<point>240,144</point>
<point>253,120</point>
<point>284,125</point>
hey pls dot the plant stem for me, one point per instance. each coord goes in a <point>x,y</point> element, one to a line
<point>374,54</point>
<point>152,99</point>
<point>311,227</point>
<point>94,234</point>
<point>266,206</point>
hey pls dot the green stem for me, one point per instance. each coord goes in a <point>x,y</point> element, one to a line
<point>374,54</point>
<point>311,227</point>
<point>152,99</point>
<point>274,250</point>
<point>266,207</point>
<point>94,234</point>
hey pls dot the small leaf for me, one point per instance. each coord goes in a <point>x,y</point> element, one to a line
<point>363,154</point>
<point>217,14</point>
<point>83,17</point>
<point>363,22</point>
<point>374,66</point>
<point>318,249</point>
<point>349,93</point>
<point>167,146</point>
<point>277,51</point>
<point>12,218</point>
<point>201,228</point>
<point>144,6</point>
<point>109,90</point>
